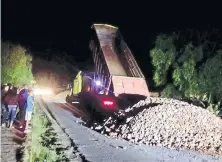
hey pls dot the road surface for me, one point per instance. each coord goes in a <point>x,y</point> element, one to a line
<point>95,147</point>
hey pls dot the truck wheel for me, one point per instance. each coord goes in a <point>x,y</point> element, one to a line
<point>67,99</point>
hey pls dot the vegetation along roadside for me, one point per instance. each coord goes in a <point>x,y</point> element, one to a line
<point>43,142</point>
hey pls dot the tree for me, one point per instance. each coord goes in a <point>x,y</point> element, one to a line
<point>16,64</point>
<point>211,76</point>
<point>163,55</point>
<point>188,65</point>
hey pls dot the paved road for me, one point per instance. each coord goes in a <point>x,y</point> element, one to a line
<point>95,147</point>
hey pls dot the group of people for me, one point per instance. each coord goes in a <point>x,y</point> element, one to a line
<point>17,106</point>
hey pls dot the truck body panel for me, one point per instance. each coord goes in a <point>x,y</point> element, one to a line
<point>129,85</point>
<point>114,60</point>
<point>117,79</point>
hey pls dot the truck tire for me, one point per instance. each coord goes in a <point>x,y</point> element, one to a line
<point>67,99</point>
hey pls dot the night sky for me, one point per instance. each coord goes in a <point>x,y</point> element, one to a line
<point>65,25</point>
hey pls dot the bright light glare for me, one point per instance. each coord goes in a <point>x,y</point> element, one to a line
<point>98,83</point>
<point>38,91</point>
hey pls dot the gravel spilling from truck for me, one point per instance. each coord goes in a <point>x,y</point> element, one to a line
<point>166,123</point>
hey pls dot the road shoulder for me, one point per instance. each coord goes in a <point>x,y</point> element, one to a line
<point>70,150</point>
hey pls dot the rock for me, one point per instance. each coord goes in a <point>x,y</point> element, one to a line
<point>107,129</point>
<point>128,119</point>
<point>169,123</point>
<point>129,136</point>
<point>98,128</point>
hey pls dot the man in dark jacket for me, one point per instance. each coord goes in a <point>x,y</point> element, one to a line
<point>22,99</point>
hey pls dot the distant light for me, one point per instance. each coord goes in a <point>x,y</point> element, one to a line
<point>38,91</point>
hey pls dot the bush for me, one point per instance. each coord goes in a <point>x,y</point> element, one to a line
<point>189,65</point>
<point>42,145</point>
<point>16,64</point>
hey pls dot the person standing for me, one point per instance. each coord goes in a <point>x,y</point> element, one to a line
<point>29,109</point>
<point>11,101</point>
<point>4,112</point>
<point>22,99</point>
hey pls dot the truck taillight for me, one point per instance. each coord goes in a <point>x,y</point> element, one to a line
<point>88,89</point>
<point>107,103</point>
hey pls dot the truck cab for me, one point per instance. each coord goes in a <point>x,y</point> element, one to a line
<point>88,91</point>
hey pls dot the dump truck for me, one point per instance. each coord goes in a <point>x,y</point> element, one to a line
<point>116,78</point>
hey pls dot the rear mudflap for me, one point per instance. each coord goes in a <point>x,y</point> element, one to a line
<point>72,99</point>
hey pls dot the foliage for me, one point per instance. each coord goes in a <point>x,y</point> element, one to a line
<point>185,78</point>
<point>16,64</point>
<point>162,58</point>
<point>43,141</point>
<point>214,108</point>
<point>211,76</point>
<point>190,65</point>
<point>171,92</point>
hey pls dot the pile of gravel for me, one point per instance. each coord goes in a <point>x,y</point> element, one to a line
<point>167,123</point>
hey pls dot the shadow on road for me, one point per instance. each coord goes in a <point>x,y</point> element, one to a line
<point>77,112</point>
<point>12,140</point>
<point>19,154</point>
<point>18,136</point>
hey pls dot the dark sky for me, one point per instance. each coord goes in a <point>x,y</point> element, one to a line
<point>64,25</point>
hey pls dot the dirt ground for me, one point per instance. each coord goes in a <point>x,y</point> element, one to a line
<point>11,145</point>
